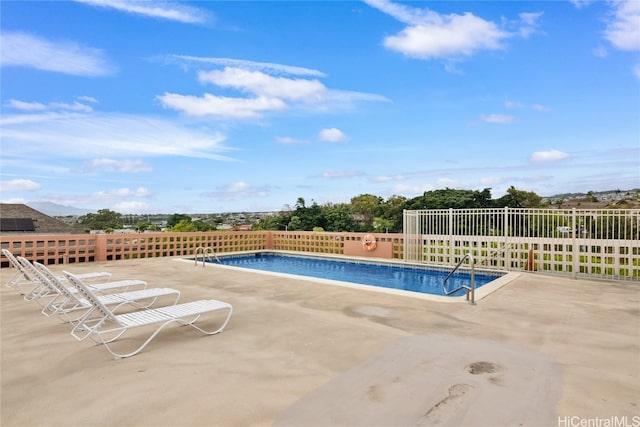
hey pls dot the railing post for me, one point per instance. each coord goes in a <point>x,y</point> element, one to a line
<point>408,229</point>
<point>451,257</point>
<point>473,280</point>
<point>506,254</point>
<point>574,248</point>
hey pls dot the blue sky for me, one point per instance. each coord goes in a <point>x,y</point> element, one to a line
<point>217,106</point>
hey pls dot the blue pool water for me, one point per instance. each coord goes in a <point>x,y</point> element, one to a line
<point>409,278</point>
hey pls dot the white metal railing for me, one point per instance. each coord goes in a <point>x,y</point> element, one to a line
<point>597,243</point>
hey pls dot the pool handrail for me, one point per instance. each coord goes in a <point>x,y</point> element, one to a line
<point>204,254</point>
<point>471,290</point>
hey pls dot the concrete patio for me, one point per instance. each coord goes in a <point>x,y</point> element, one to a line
<point>542,350</point>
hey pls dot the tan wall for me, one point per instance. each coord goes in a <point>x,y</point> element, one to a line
<point>381,249</point>
<point>586,257</point>
<point>73,248</point>
<point>52,248</point>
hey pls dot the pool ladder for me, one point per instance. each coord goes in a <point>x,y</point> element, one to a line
<point>471,290</point>
<point>205,251</point>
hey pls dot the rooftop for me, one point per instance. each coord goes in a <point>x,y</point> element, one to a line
<point>301,353</point>
<point>40,223</point>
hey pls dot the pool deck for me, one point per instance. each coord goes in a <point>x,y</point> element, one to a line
<point>542,350</point>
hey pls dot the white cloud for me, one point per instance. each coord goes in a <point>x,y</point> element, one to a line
<point>285,140</point>
<point>580,3</point>
<point>172,11</point>
<point>221,106</point>
<point>381,178</point>
<point>26,106</point>
<point>264,85</point>
<point>600,52</point>
<point>528,23</point>
<point>623,31</point>
<point>118,199</point>
<point>548,156</point>
<point>451,68</point>
<point>75,106</point>
<point>519,105</point>
<point>15,201</point>
<point>90,99</point>
<point>131,207</point>
<point>38,106</point>
<point>120,193</point>
<point>412,190</point>
<point>237,190</point>
<point>430,35</point>
<point>332,135</point>
<point>266,93</point>
<point>540,107</point>
<point>247,65</point>
<point>25,50</point>
<point>341,174</point>
<point>446,182</point>
<point>514,104</point>
<point>19,185</point>
<point>498,119</point>
<point>100,135</point>
<point>491,180</point>
<point>388,178</point>
<point>125,166</point>
<point>452,36</point>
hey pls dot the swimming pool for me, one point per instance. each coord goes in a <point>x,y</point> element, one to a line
<point>403,277</point>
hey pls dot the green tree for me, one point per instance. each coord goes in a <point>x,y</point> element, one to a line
<point>591,197</point>
<point>313,218</point>
<point>295,223</point>
<point>279,221</point>
<point>176,218</point>
<point>522,199</point>
<point>102,220</point>
<point>452,198</point>
<point>338,217</point>
<point>146,226</point>
<point>307,217</point>
<point>184,225</point>
<point>200,225</point>
<point>365,208</point>
<point>381,225</point>
<point>392,210</point>
<point>187,225</point>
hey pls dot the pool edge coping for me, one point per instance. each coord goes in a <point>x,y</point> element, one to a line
<point>480,293</point>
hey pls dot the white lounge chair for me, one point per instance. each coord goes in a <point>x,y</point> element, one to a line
<point>24,283</point>
<point>108,327</point>
<point>67,302</point>
<point>43,290</point>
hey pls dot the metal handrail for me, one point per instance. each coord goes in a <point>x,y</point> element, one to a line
<point>213,253</point>
<point>204,254</point>
<point>471,290</point>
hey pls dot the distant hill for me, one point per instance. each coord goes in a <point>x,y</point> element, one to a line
<point>54,209</point>
<point>616,199</point>
<point>632,194</point>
